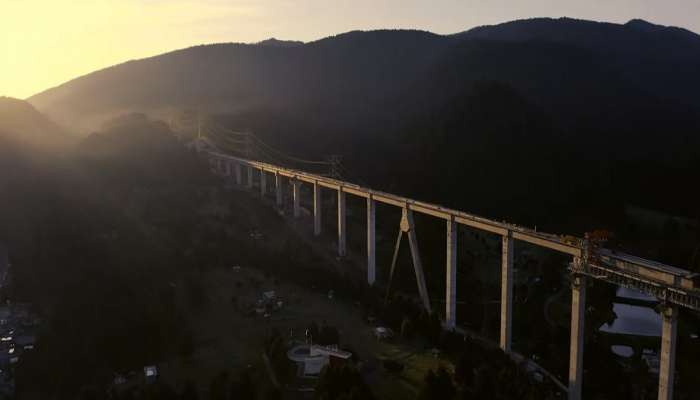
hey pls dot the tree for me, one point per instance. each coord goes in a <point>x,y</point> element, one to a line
<point>189,391</point>
<point>273,393</point>
<point>244,387</point>
<point>217,388</point>
<point>437,385</point>
<point>342,382</point>
<point>406,328</point>
<point>464,370</point>
<point>276,350</point>
<point>328,335</point>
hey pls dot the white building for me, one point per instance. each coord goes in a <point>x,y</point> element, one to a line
<point>311,359</point>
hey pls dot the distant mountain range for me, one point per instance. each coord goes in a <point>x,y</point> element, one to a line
<point>549,60</point>
<point>579,117</point>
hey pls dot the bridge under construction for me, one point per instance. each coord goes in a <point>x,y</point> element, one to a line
<point>674,287</point>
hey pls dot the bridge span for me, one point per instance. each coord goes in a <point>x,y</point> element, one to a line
<point>674,287</point>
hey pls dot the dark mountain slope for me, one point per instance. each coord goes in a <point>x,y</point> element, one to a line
<point>272,42</point>
<point>579,118</point>
<point>349,74</point>
<point>346,71</point>
<point>636,36</point>
<point>656,58</point>
<point>22,125</point>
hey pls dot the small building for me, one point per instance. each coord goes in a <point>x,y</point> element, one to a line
<point>151,373</point>
<point>311,359</point>
<point>383,333</point>
<point>269,295</point>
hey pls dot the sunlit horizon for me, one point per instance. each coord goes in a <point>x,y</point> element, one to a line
<point>45,43</point>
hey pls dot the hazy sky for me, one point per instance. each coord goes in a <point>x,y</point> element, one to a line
<point>46,42</point>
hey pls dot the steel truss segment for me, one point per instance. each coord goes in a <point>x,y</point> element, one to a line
<point>665,293</point>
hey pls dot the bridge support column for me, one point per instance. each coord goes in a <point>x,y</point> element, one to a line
<point>371,240</point>
<point>410,228</point>
<point>342,239</point>
<point>317,209</point>
<point>278,189</point>
<point>263,183</point>
<point>227,169</point>
<point>506,292</point>
<point>250,177</point>
<point>578,310</point>
<point>451,276</point>
<point>667,367</point>
<point>239,180</point>
<point>296,185</point>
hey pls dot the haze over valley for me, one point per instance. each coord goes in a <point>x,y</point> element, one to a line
<point>144,253</point>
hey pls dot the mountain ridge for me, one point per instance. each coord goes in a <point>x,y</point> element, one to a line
<point>22,124</point>
<point>365,66</point>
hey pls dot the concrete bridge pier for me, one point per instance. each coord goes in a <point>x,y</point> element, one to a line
<point>408,225</point>
<point>263,183</point>
<point>296,186</point>
<point>250,177</point>
<point>342,238</point>
<point>317,209</point>
<point>451,276</point>
<point>239,180</point>
<point>371,240</point>
<point>578,310</point>
<point>278,189</point>
<point>227,169</point>
<point>506,292</point>
<point>667,366</point>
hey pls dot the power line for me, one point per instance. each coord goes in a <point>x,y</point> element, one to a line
<point>250,145</point>
<point>299,160</point>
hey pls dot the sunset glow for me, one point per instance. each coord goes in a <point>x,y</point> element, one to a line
<point>44,43</point>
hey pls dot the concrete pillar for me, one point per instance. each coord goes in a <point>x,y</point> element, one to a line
<point>578,310</point>
<point>296,185</point>
<point>506,292</point>
<point>227,170</point>
<point>239,180</point>
<point>342,240</point>
<point>263,183</point>
<point>371,240</point>
<point>451,276</point>
<point>278,189</point>
<point>317,209</point>
<point>667,366</point>
<point>409,226</point>
<point>250,177</point>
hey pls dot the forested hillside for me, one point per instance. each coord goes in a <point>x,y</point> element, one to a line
<point>111,241</point>
<point>558,123</point>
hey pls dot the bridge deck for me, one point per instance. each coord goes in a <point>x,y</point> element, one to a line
<point>672,284</point>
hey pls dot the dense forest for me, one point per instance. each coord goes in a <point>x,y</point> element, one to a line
<point>563,125</point>
<point>557,123</point>
<point>109,241</point>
